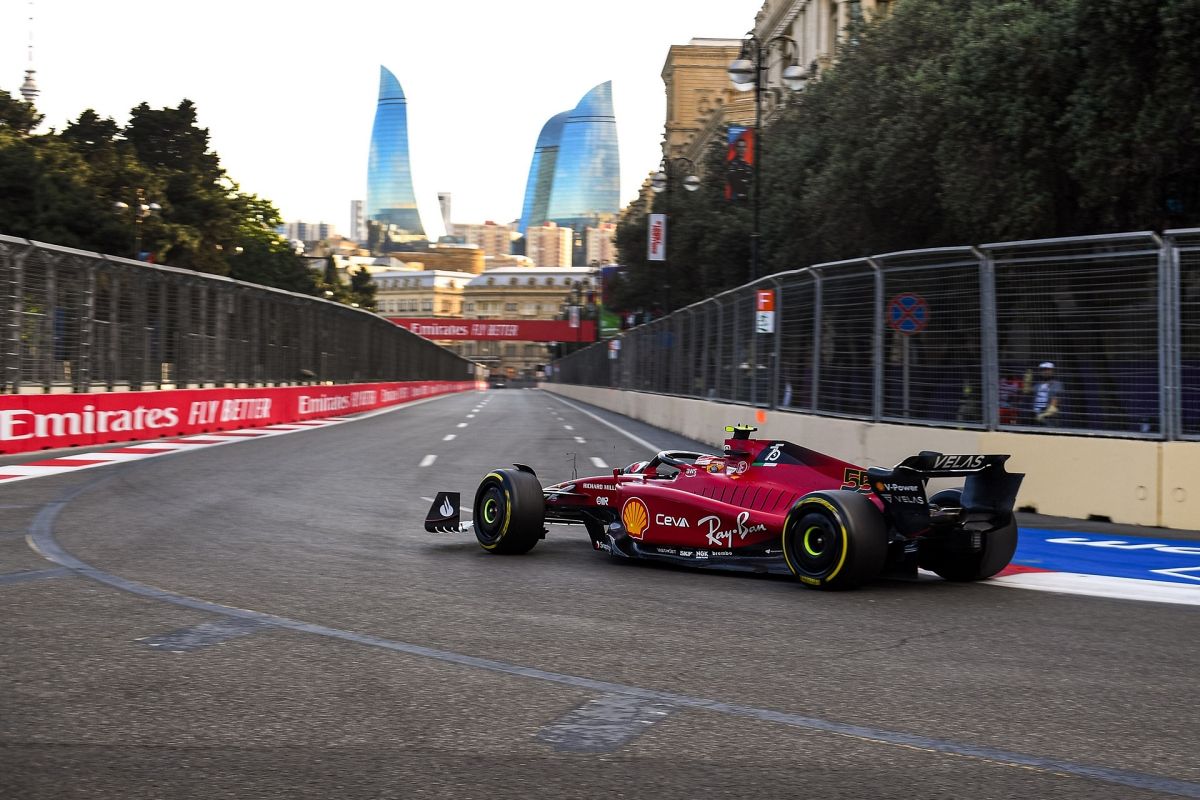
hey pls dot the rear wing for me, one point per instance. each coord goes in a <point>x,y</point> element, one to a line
<point>988,496</point>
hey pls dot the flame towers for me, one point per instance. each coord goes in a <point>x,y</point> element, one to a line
<point>575,177</point>
<point>390,197</point>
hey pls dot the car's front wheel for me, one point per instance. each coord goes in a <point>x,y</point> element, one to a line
<point>834,540</point>
<point>509,512</point>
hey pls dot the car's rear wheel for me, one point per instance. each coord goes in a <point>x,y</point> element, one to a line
<point>959,557</point>
<point>509,512</point>
<point>834,540</point>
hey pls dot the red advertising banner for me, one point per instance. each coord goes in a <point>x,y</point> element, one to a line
<point>517,330</point>
<point>43,421</point>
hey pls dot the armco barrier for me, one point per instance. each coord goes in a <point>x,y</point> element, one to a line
<point>1125,480</point>
<point>42,422</point>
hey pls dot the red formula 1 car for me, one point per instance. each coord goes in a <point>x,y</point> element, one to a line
<point>764,506</point>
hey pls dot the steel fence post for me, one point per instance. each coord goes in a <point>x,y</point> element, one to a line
<point>15,354</point>
<point>818,312</point>
<point>1169,351</point>
<point>989,342</point>
<point>877,344</point>
<point>778,348</point>
<point>46,339</point>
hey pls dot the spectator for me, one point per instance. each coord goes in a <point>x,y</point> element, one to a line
<point>1047,392</point>
<point>1010,399</point>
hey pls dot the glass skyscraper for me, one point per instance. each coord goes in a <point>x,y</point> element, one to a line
<point>575,177</point>
<point>541,173</point>
<point>390,196</point>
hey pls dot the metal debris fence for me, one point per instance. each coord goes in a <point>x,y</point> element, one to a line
<point>947,336</point>
<point>75,321</point>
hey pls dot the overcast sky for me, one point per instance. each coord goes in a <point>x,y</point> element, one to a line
<point>287,88</point>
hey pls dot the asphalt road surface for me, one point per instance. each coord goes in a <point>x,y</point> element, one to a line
<point>269,619</point>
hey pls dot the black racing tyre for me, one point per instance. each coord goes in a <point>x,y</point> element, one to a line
<point>510,512</point>
<point>834,540</point>
<point>958,564</point>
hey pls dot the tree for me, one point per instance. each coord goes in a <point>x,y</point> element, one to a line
<point>362,288</point>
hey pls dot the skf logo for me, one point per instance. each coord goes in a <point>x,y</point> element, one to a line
<point>635,516</point>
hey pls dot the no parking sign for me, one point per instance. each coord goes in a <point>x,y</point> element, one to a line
<point>908,313</point>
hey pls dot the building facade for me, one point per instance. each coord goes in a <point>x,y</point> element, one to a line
<point>696,79</point>
<point>391,201</point>
<point>358,221</point>
<point>600,244</point>
<point>495,240</point>
<point>805,33</point>
<point>549,245</point>
<point>420,293</point>
<point>522,293</point>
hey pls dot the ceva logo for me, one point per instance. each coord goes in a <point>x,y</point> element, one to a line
<point>635,517</point>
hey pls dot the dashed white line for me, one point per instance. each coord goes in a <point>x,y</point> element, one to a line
<point>470,416</point>
<point>449,437</point>
<point>462,424</point>
<point>599,462</point>
<point>428,460</point>
<point>581,440</point>
<point>569,427</point>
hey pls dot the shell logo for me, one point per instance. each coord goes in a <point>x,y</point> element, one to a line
<point>635,517</point>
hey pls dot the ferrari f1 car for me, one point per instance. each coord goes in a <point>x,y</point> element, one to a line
<point>764,506</point>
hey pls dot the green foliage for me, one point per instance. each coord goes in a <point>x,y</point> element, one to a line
<point>957,122</point>
<point>63,187</point>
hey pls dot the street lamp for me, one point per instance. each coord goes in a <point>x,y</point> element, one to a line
<point>141,210</point>
<point>748,72</point>
<point>668,169</point>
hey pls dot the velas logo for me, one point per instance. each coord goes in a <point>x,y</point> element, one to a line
<point>635,517</point>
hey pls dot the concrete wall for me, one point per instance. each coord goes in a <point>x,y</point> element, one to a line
<point>1126,480</point>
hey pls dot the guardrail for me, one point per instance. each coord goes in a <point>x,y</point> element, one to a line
<point>74,321</point>
<point>948,336</point>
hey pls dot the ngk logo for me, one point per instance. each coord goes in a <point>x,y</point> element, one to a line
<point>19,423</point>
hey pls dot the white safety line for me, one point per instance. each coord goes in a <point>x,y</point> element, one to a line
<point>1102,586</point>
<point>636,439</point>
<point>428,460</point>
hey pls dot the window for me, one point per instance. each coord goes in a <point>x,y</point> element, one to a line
<point>512,281</point>
<point>510,306</point>
<point>470,307</point>
<point>533,281</point>
<point>549,281</point>
<point>427,305</point>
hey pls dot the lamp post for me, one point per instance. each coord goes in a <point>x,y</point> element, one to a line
<point>141,210</point>
<point>748,73</point>
<point>668,169</point>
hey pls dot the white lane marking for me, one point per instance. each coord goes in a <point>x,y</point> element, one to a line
<point>599,462</point>
<point>1102,586</point>
<point>449,437</point>
<point>569,427</point>
<point>581,440</point>
<point>470,416</point>
<point>462,424</point>
<point>427,460</point>
<point>637,439</point>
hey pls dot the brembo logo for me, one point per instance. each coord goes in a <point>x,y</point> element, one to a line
<point>635,517</point>
<point>20,423</point>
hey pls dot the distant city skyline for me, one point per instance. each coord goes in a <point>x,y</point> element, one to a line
<point>289,111</point>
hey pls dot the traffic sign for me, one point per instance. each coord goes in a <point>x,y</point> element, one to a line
<point>908,313</point>
<point>764,311</point>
